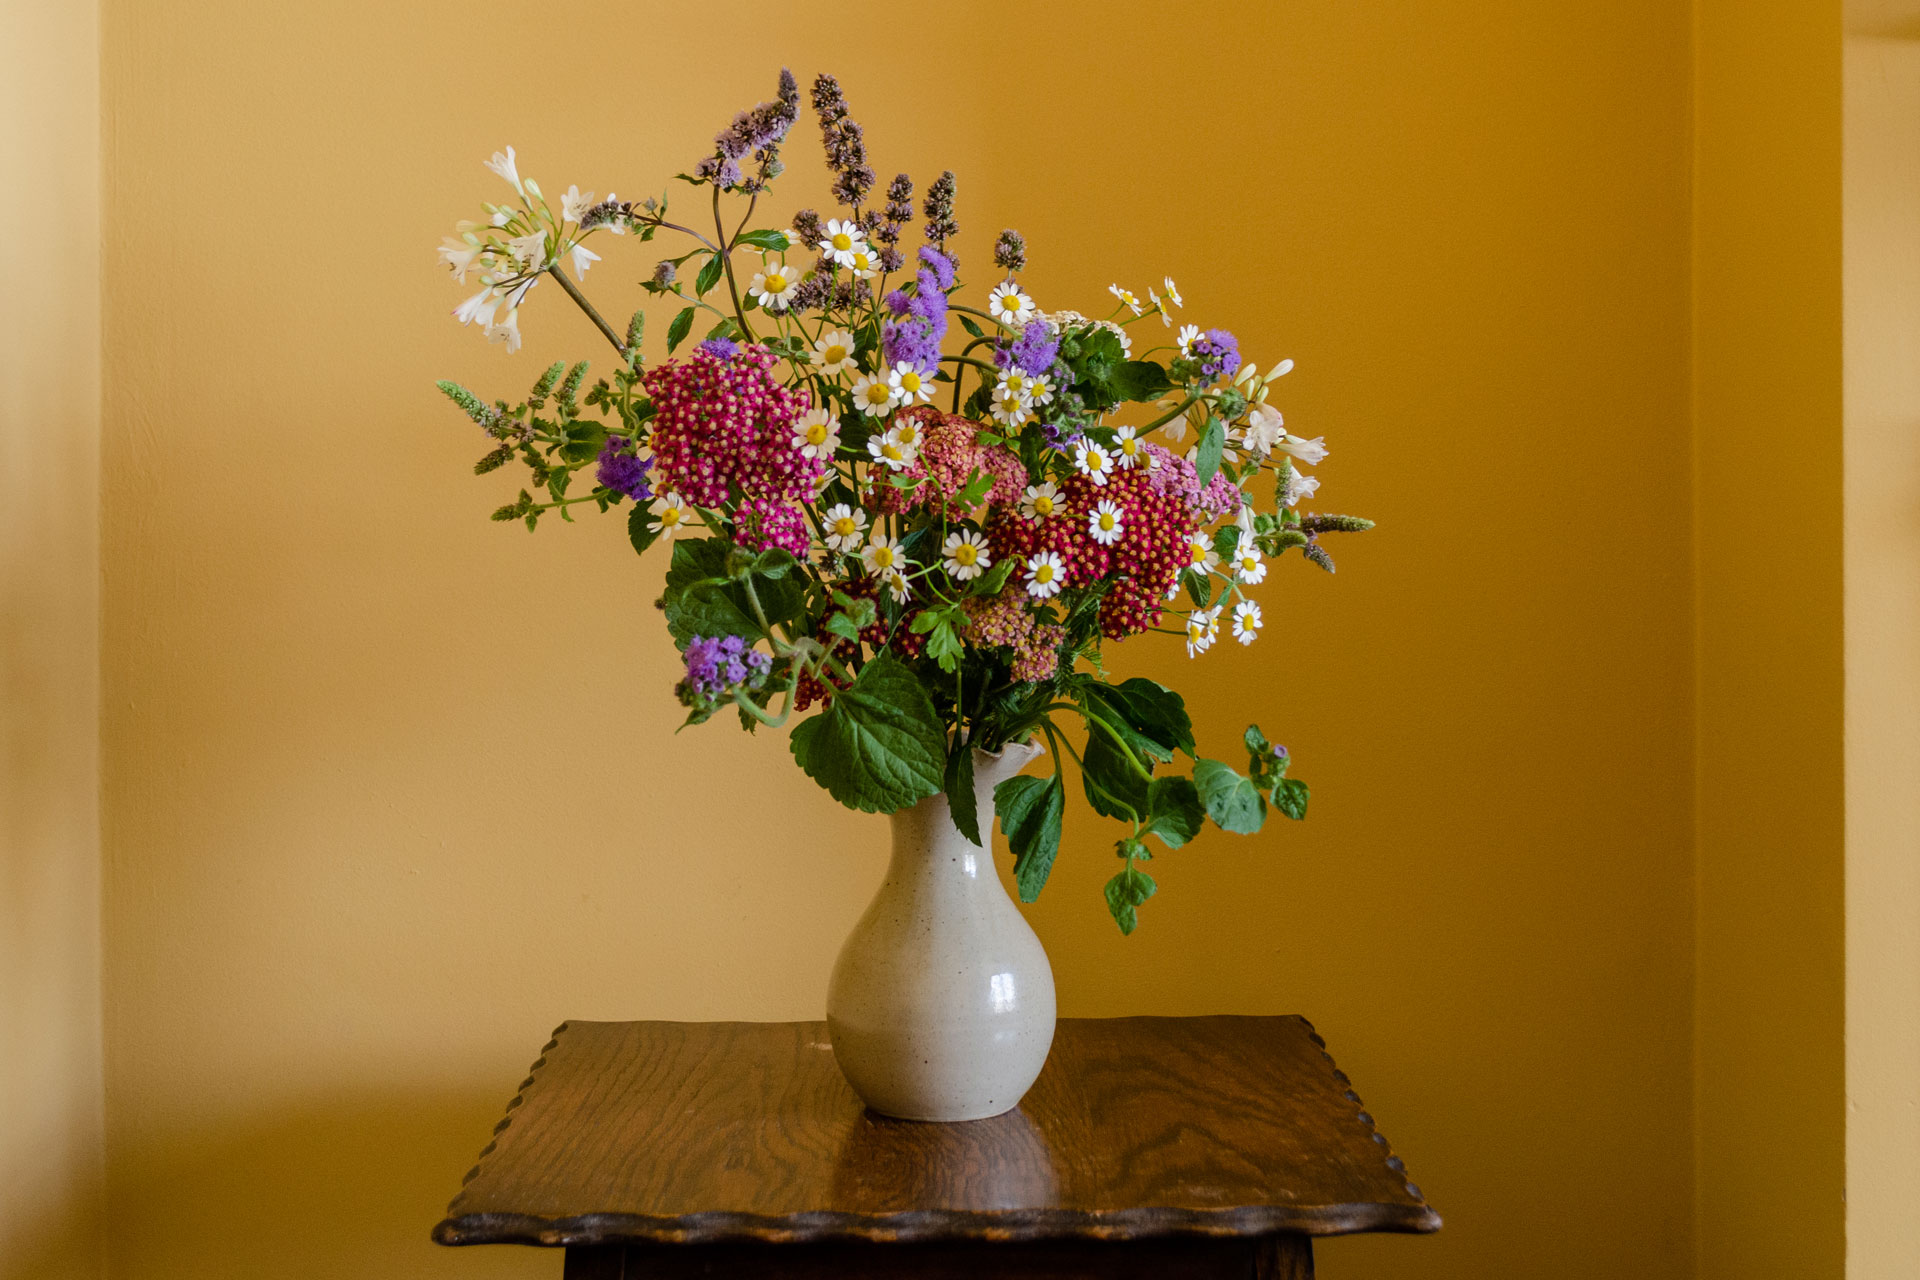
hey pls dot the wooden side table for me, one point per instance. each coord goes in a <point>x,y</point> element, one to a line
<point>1150,1147</point>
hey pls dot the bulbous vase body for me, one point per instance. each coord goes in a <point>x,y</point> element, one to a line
<point>941,1003</point>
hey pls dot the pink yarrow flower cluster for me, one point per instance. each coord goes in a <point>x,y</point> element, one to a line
<point>950,454</point>
<point>1004,620</point>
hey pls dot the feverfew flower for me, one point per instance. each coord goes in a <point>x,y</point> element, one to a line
<point>1173,294</point>
<point>833,351</point>
<point>1103,524</point>
<point>1014,383</point>
<point>1039,389</point>
<point>844,526</point>
<point>863,262</point>
<point>1008,305</point>
<point>673,514</point>
<point>773,284</point>
<point>1009,408</point>
<point>1188,333</point>
<point>1126,296</point>
<point>1092,461</point>
<point>897,585</point>
<point>1246,622</point>
<point>843,239</point>
<point>1045,575</point>
<point>1247,564</point>
<point>1128,448</point>
<point>909,385</point>
<point>1202,558</point>
<point>1312,452</point>
<point>882,556</point>
<point>890,451</point>
<point>964,555</point>
<point>873,395</point>
<point>1040,500</point>
<point>818,435</point>
<point>1203,628</point>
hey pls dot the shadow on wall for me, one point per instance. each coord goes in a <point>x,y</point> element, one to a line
<point>346,1188</point>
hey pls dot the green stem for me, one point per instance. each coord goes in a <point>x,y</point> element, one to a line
<point>573,292</point>
<point>726,261</point>
<point>1172,413</point>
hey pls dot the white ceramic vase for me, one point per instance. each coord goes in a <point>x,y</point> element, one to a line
<point>941,1003</point>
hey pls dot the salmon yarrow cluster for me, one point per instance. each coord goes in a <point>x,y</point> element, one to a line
<point>910,513</point>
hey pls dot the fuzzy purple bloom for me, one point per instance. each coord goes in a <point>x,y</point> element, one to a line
<point>1035,350</point>
<point>621,472</point>
<point>915,337</point>
<point>718,664</point>
<point>941,265</point>
<point>1217,353</point>
<point>720,348</point>
<point>758,133</point>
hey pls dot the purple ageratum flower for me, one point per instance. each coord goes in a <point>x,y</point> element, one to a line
<point>621,472</point>
<point>1217,352</point>
<point>915,337</point>
<point>940,264</point>
<point>719,348</point>
<point>1035,350</point>
<point>716,665</point>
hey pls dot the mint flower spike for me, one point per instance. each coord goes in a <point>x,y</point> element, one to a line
<point>758,133</point>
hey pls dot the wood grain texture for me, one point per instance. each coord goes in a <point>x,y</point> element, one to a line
<point>1203,1258</point>
<point>1139,1128</point>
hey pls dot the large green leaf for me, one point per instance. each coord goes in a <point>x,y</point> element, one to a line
<point>1126,891</point>
<point>1206,456</point>
<point>878,747</point>
<point>959,788</point>
<point>1290,798</point>
<point>1141,380</point>
<point>1151,711</point>
<point>1176,811</point>
<point>1232,801</point>
<point>1114,785</point>
<point>1030,811</point>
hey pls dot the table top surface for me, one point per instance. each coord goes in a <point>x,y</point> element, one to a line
<point>692,1132</point>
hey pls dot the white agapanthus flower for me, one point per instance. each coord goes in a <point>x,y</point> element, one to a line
<point>964,555</point>
<point>530,250</point>
<point>503,164</point>
<point>1104,524</point>
<point>1312,452</point>
<point>507,331</point>
<point>845,527</point>
<point>1265,429</point>
<point>459,256</point>
<point>583,258</point>
<point>833,351</point>
<point>1246,622</point>
<point>1046,574</point>
<point>1040,500</point>
<point>1300,485</point>
<point>575,203</point>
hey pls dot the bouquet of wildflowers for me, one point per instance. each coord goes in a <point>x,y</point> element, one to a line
<point>926,537</point>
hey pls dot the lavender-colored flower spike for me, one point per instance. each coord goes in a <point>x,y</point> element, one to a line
<point>758,133</point>
<point>1010,250</point>
<point>845,143</point>
<point>940,226</point>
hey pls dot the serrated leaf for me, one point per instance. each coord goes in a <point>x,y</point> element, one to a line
<point>640,530</point>
<point>1177,815</point>
<point>1141,380</point>
<point>1290,797</point>
<point>774,240</point>
<point>709,275</point>
<point>1125,892</point>
<point>1030,810</point>
<point>1206,458</point>
<point>961,801</point>
<point>879,746</point>
<point>1231,800</point>
<point>678,330</point>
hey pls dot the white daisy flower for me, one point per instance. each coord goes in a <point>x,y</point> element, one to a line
<point>897,585</point>
<point>1173,294</point>
<point>844,526</point>
<point>1103,523</point>
<point>1039,389</point>
<point>1094,462</point>
<point>1040,500</point>
<point>1126,296</point>
<point>1159,309</point>
<point>964,555</point>
<point>872,396</point>
<point>1203,628</point>
<point>907,432</point>
<point>909,385</point>
<point>773,284</point>
<point>863,262</point>
<point>817,435</point>
<point>1201,557</point>
<point>1247,564</point>
<point>1246,622</point>
<point>1012,382</point>
<point>1008,305</point>
<point>843,239</point>
<point>672,513</point>
<point>889,450</point>
<point>1299,486</point>
<point>1312,452</point>
<point>1045,575</point>
<point>882,555</point>
<point>1189,334</point>
<point>1127,450</point>
<point>1008,410</point>
<point>575,203</point>
<point>833,351</point>
<point>504,165</point>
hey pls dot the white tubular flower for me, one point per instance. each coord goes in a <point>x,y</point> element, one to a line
<point>890,451</point>
<point>1243,519</point>
<point>1188,334</point>
<point>833,352</point>
<point>1045,575</point>
<point>964,555</point>
<point>459,256</point>
<point>1203,628</point>
<point>882,555</point>
<point>672,513</point>
<point>1201,557</point>
<point>1040,500</point>
<point>1104,525</point>
<point>909,385</point>
<point>1126,448</point>
<point>817,435</point>
<point>530,250</point>
<point>583,258</point>
<point>503,164</point>
<point>1247,564</point>
<point>1281,370</point>
<point>1301,485</point>
<point>843,239</point>
<point>1312,452</point>
<point>1246,622</point>
<point>1008,305</point>
<point>863,262</point>
<point>479,308</point>
<point>1265,429</point>
<point>1092,461</point>
<point>1126,296</point>
<point>845,527</point>
<point>575,203</point>
<point>873,396</point>
<point>773,284</point>
<point>507,331</point>
<point>1173,294</point>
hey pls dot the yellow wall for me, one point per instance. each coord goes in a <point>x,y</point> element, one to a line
<point>1769,1125</point>
<point>50,1144</point>
<point>1883,624</point>
<point>391,790</point>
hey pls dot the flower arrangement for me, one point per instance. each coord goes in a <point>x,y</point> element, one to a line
<point>930,538</point>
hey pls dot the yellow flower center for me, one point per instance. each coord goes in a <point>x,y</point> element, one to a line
<point>1128,446</point>
<point>670,517</point>
<point>910,381</point>
<point>906,433</point>
<point>835,353</point>
<point>1042,505</point>
<point>1043,575</point>
<point>892,452</point>
<point>877,394</point>
<point>1199,553</point>
<point>817,433</point>
<point>883,557</point>
<point>965,554</point>
<point>842,241</point>
<point>846,526</point>
<point>1106,522</point>
<point>776,283</point>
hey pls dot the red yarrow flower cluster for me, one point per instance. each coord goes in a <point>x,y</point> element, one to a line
<point>1156,531</point>
<point>901,640</point>
<point>950,453</point>
<point>723,432</point>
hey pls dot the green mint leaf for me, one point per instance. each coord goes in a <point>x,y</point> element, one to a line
<point>641,531</point>
<point>1290,797</point>
<point>1125,892</point>
<point>879,746</point>
<point>1114,787</point>
<point>959,787</point>
<point>1206,458</point>
<point>1232,801</point>
<point>774,240</point>
<point>678,330</point>
<point>1141,380</point>
<point>1030,811</point>
<point>1177,815</point>
<point>709,275</point>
